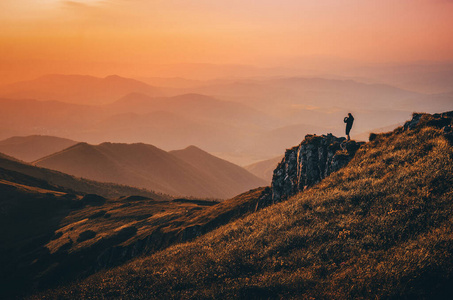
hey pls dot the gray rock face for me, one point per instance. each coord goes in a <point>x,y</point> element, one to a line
<point>310,162</point>
<point>441,120</point>
<point>413,122</point>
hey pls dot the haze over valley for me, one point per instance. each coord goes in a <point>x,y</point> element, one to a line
<point>241,120</point>
<point>273,149</point>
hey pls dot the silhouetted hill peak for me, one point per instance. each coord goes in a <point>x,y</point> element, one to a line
<point>190,172</point>
<point>192,149</point>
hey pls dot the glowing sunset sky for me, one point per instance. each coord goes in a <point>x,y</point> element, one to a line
<point>70,36</point>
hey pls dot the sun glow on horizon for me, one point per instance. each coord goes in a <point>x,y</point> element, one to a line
<point>265,33</point>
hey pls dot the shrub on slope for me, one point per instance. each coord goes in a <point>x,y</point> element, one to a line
<point>379,228</point>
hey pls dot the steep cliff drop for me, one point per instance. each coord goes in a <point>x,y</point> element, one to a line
<point>310,162</point>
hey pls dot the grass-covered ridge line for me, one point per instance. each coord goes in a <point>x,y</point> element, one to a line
<point>381,227</point>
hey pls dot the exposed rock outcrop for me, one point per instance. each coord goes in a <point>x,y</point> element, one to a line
<point>443,121</point>
<point>310,162</point>
<point>318,156</point>
<point>413,122</point>
<point>440,120</point>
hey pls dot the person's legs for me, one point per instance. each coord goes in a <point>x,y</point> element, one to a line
<point>348,129</point>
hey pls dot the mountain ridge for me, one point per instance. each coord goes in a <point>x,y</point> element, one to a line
<point>147,166</point>
<point>81,89</point>
<point>30,148</point>
<point>25,173</point>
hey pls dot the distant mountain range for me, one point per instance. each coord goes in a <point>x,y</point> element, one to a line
<point>188,172</point>
<point>242,120</point>
<point>264,169</point>
<point>27,174</point>
<point>78,89</point>
<point>30,148</point>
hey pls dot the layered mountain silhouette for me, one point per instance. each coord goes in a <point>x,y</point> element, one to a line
<point>195,106</point>
<point>20,117</point>
<point>310,91</point>
<point>80,89</point>
<point>169,123</point>
<point>242,120</point>
<point>189,172</point>
<point>264,169</point>
<point>322,101</point>
<point>27,174</point>
<point>30,148</point>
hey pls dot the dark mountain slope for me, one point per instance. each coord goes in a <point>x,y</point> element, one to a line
<point>50,237</point>
<point>134,164</point>
<point>23,173</point>
<point>30,148</point>
<point>381,227</point>
<point>29,216</point>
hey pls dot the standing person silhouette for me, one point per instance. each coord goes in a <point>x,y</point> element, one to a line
<point>348,120</point>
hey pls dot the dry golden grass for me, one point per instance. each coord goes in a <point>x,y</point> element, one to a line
<point>50,237</point>
<point>379,228</point>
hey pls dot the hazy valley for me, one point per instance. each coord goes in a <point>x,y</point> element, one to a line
<point>226,149</point>
<point>241,120</point>
<point>305,235</point>
<point>226,188</point>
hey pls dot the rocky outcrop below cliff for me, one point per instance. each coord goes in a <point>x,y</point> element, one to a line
<point>310,162</point>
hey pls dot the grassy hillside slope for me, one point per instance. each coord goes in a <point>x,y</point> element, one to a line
<point>51,235</point>
<point>379,228</point>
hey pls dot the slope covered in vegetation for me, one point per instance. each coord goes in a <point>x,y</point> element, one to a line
<point>51,236</point>
<point>381,227</point>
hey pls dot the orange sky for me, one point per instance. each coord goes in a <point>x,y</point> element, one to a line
<point>116,36</point>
